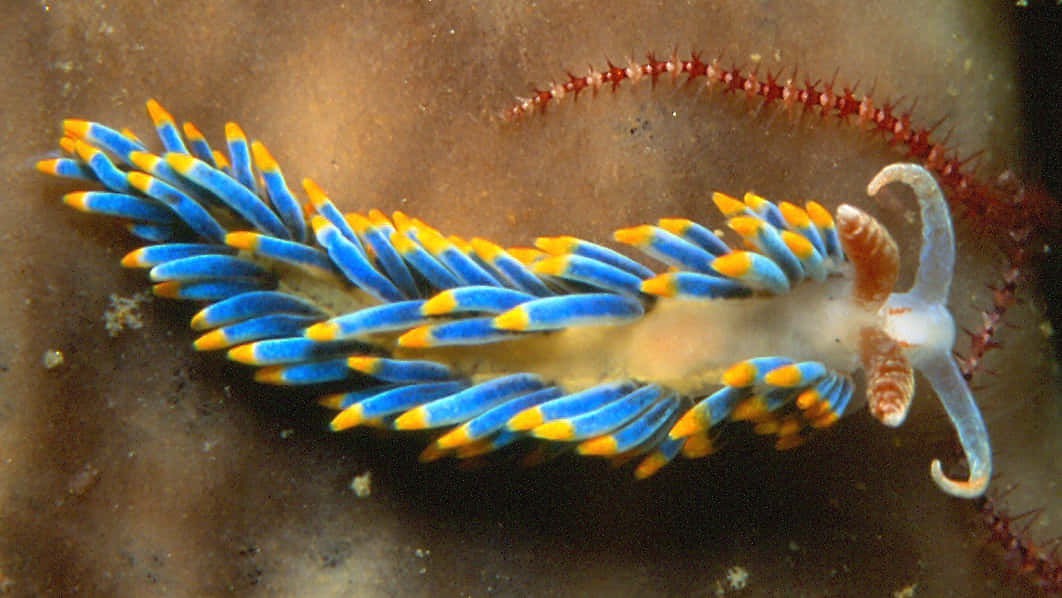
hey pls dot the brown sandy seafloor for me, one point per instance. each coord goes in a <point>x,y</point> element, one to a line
<point>141,468</point>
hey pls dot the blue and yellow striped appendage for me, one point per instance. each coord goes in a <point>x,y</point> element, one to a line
<point>476,299</point>
<point>350,260</point>
<point>797,374</point>
<point>437,275</point>
<point>777,396</point>
<point>659,457</point>
<point>667,247</point>
<point>472,331</point>
<point>239,157</point>
<point>798,221</point>
<point>509,267</point>
<point>66,167</point>
<point>709,412</point>
<point>220,162</point>
<point>823,221</point>
<point>194,215</point>
<point>205,267</point>
<point>589,271</point>
<point>552,313</point>
<point>237,197</point>
<point>304,374</point>
<point>765,210</point>
<point>312,260</point>
<point>361,406</point>
<point>390,261</point>
<point>753,371</point>
<point>254,329</point>
<point>324,208</point>
<point>291,350</point>
<point>389,317</point>
<point>464,268</point>
<point>197,144</point>
<point>106,172</point>
<point>252,305</point>
<point>812,262</point>
<point>730,207</point>
<point>468,403</point>
<point>691,285</point>
<point>288,208</point>
<point>824,403</point>
<point>767,240</point>
<point>570,406</point>
<point>105,137</point>
<point>401,371</point>
<point>694,233</point>
<point>754,270</point>
<point>574,246</point>
<point>154,255</point>
<point>157,167</point>
<point>633,435</point>
<point>119,205</point>
<point>490,421</point>
<point>204,290</point>
<point>165,128</point>
<point>595,422</point>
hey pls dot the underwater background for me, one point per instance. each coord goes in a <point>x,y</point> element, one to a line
<point>139,467</point>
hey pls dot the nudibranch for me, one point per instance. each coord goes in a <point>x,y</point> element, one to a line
<point>571,343</point>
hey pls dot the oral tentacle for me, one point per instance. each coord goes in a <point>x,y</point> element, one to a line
<point>936,260</point>
<point>943,374</point>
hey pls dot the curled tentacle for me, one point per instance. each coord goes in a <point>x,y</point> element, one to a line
<point>937,257</point>
<point>948,382</point>
<point>920,321</point>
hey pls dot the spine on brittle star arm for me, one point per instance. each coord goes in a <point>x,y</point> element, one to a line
<point>1043,569</point>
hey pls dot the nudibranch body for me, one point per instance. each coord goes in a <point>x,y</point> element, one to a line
<point>571,343</point>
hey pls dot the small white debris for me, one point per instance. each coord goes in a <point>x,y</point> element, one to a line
<point>83,480</point>
<point>362,485</point>
<point>737,577</point>
<point>421,553</point>
<point>287,433</point>
<point>6,583</point>
<point>124,312</point>
<point>1045,327</point>
<point>52,359</point>
<point>907,592</point>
